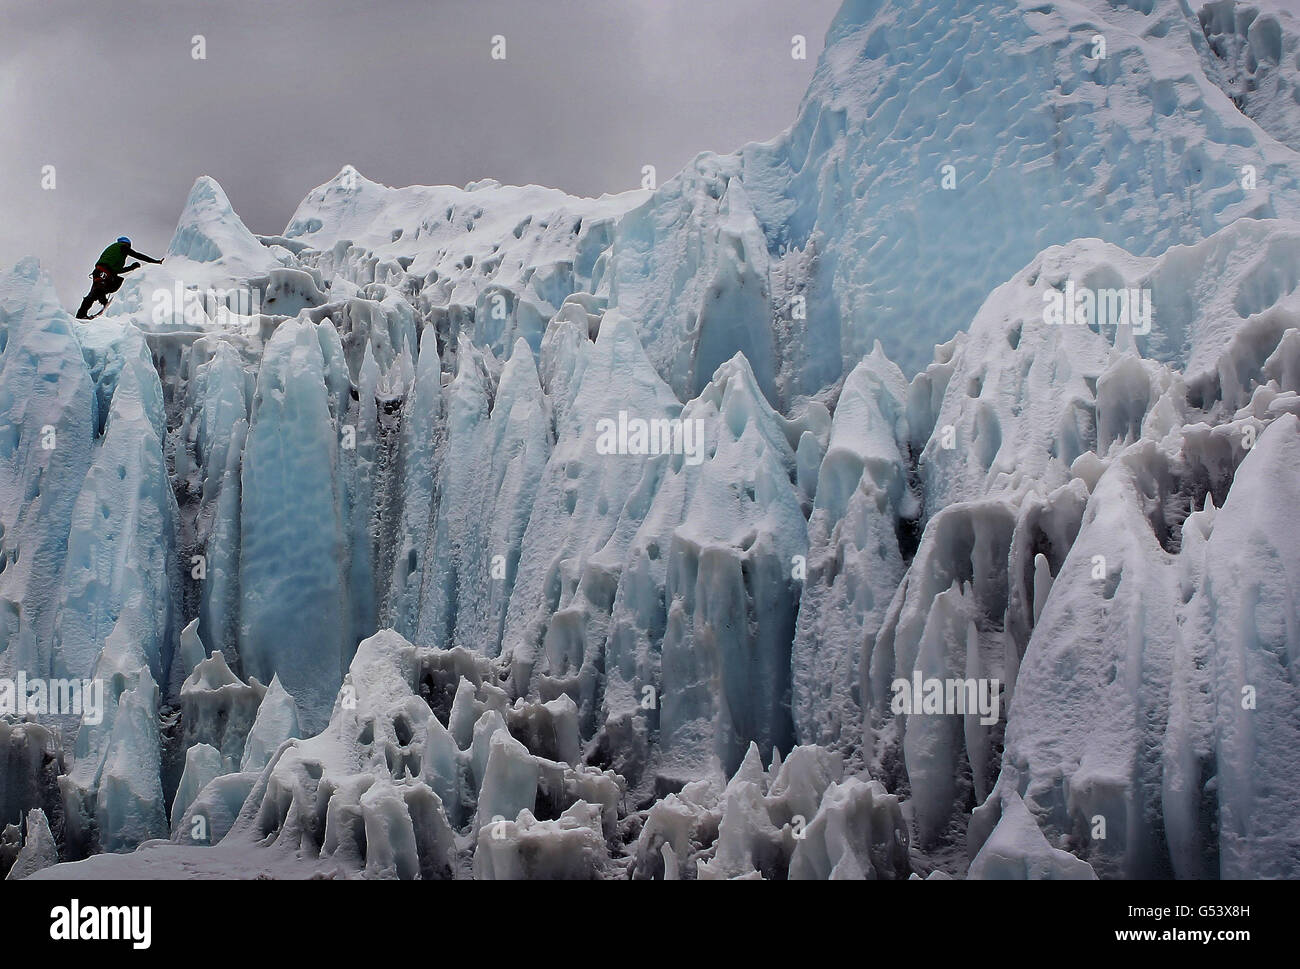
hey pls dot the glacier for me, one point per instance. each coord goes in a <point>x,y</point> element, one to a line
<point>335,518</point>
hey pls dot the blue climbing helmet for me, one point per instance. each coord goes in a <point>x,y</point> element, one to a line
<point>125,241</point>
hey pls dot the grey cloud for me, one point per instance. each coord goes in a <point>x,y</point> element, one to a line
<point>292,90</point>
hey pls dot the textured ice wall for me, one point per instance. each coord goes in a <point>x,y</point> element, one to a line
<point>646,631</point>
<point>48,419</point>
<point>292,623</point>
<point>1046,142</point>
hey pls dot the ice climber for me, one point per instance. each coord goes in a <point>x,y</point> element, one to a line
<point>107,277</point>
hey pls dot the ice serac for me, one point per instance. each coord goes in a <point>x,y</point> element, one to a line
<point>293,592</point>
<point>121,747</point>
<point>1238,722</point>
<point>203,763</point>
<point>455,592</point>
<point>1121,764</point>
<point>723,535</point>
<point>922,119</point>
<point>220,432</point>
<point>31,760</point>
<point>218,708</point>
<point>1017,850</point>
<point>277,721</point>
<point>386,789</point>
<point>857,833</point>
<point>359,475</point>
<point>690,265</point>
<point>496,447</point>
<point>588,507</point>
<point>493,261</point>
<point>518,447</point>
<point>1019,402</point>
<point>802,819</point>
<point>116,596</point>
<point>39,848</point>
<point>509,782</point>
<point>658,538</point>
<point>209,817</point>
<point>419,463</point>
<point>214,269</point>
<point>855,561</point>
<point>1083,742</point>
<point>314,795</point>
<point>568,848</point>
<point>48,424</point>
<point>129,808</point>
<point>121,537</point>
<point>946,621</point>
<point>209,231</point>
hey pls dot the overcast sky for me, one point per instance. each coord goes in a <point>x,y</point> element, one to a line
<point>108,92</point>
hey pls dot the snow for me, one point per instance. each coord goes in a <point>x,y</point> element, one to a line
<point>499,647</point>
<point>209,231</point>
<point>463,248</point>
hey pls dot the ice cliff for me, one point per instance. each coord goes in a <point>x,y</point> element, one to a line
<point>497,533</point>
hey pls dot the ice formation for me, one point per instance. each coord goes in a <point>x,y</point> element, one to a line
<point>497,533</point>
<point>39,849</point>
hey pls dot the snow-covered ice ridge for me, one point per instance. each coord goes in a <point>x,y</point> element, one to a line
<point>336,517</point>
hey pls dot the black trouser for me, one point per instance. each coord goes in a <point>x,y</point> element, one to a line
<point>104,284</point>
